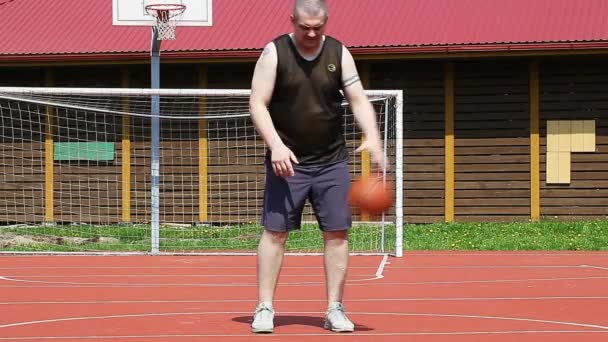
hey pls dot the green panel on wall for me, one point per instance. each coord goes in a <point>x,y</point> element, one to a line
<point>83,151</point>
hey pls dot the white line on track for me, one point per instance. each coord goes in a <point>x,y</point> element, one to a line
<point>247,313</point>
<point>301,267</point>
<point>490,253</point>
<point>481,267</point>
<point>164,267</point>
<point>595,267</point>
<point>279,335</point>
<point>17,276</point>
<point>377,275</point>
<point>380,269</point>
<point>215,301</point>
<point>354,282</point>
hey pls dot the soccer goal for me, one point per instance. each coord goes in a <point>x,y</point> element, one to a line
<point>77,170</point>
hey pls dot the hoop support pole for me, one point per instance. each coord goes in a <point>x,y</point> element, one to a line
<point>155,141</point>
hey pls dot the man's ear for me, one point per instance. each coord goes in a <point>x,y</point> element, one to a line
<point>292,18</point>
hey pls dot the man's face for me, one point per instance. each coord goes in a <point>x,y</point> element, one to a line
<point>308,29</point>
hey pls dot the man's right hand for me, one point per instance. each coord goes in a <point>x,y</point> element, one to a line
<point>375,149</point>
<point>282,158</point>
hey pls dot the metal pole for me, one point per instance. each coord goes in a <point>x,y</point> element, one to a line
<point>155,137</point>
<point>385,149</point>
<point>399,175</point>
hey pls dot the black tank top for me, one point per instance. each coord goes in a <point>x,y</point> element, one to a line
<point>306,102</point>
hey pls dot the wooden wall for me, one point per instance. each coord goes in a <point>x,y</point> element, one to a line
<point>87,191</point>
<point>21,153</point>
<point>576,89</point>
<point>21,182</point>
<point>21,163</point>
<point>423,123</point>
<point>491,134</point>
<point>491,145</point>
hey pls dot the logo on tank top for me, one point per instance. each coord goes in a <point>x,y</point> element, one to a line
<point>331,68</point>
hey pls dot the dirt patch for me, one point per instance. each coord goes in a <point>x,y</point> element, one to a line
<point>11,239</point>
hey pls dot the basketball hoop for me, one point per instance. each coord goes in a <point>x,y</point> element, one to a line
<point>167,16</point>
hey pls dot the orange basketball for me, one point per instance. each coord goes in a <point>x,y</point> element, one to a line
<point>370,195</point>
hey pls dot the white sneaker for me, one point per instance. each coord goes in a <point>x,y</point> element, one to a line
<point>263,319</point>
<point>336,319</point>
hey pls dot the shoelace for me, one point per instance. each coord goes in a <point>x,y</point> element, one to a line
<point>338,307</point>
<point>261,308</point>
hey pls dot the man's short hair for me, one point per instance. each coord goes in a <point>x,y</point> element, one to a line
<point>312,7</point>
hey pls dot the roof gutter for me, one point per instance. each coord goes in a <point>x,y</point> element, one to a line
<point>443,51</point>
<point>125,57</point>
<point>481,48</point>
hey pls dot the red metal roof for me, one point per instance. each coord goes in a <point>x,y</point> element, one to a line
<point>83,29</point>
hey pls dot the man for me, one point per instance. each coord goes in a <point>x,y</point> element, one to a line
<point>296,95</point>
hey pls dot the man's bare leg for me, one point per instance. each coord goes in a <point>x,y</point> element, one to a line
<point>336,264</point>
<point>270,258</point>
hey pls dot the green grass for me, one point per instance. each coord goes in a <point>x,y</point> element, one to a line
<point>544,236</point>
<point>540,236</point>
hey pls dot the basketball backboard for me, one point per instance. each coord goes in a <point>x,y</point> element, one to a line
<point>133,13</point>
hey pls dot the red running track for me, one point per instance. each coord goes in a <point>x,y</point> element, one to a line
<point>474,296</point>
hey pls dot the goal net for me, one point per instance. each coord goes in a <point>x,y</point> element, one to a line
<point>78,173</point>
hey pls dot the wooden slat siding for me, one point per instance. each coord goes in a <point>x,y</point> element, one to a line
<point>20,217</point>
<point>231,76</point>
<point>227,184</point>
<point>180,151</point>
<point>238,190</point>
<point>503,218</point>
<point>576,93</point>
<point>179,76</point>
<point>21,177</point>
<point>235,181</point>
<point>88,76</point>
<point>491,104</point>
<point>22,76</point>
<point>83,188</point>
<point>97,177</point>
<point>423,121</point>
<point>576,89</point>
<point>494,193</point>
<point>180,175</point>
<point>102,218</point>
<point>90,189</point>
<point>73,177</point>
<point>100,176</point>
<point>141,176</point>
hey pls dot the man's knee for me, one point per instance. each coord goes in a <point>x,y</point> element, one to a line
<point>337,237</point>
<point>276,237</point>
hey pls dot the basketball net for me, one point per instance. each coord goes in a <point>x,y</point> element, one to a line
<point>167,16</point>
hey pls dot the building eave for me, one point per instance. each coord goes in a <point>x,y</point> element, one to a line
<point>362,53</point>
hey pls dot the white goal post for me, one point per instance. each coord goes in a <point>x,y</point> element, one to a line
<point>76,173</point>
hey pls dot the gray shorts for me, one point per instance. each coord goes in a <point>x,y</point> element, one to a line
<point>325,186</point>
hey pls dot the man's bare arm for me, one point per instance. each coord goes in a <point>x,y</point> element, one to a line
<point>362,108</point>
<point>262,87</point>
